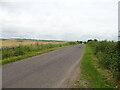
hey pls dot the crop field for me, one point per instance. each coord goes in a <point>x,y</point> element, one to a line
<point>13,51</point>
<point>16,43</point>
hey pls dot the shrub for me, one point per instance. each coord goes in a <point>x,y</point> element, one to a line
<point>107,53</point>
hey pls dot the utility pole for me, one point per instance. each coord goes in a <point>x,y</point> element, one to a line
<point>119,21</point>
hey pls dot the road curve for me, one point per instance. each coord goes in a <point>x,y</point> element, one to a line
<point>48,70</point>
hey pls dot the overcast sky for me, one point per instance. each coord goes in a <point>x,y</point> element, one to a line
<point>59,19</point>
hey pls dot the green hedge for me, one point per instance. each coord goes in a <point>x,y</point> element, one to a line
<point>108,55</point>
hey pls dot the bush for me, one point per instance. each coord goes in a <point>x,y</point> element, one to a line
<point>107,53</point>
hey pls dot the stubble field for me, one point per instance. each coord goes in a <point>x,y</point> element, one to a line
<point>16,43</point>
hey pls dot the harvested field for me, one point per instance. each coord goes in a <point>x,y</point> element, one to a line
<point>16,43</point>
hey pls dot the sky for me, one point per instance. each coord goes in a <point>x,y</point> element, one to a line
<point>59,19</point>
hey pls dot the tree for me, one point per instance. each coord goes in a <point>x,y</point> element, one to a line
<point>95,40</point>
<point>89,40</point>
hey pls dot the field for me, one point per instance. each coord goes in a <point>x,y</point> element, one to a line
<point>13,51</point>
<point>9,43</point>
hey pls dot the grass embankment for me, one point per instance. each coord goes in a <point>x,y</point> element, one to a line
<point>91,75</point>
<point>12,54</point>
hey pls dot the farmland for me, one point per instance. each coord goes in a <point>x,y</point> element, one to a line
<point>15,50</point>
<point>9,43</point>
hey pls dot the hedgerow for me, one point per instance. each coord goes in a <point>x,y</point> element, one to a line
<point>108,56</point>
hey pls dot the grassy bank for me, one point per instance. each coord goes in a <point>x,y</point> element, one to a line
<point>12,54</point>
<point>91,75</point>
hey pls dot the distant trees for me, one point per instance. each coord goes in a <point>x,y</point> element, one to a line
<point>79,42</point>
<point>92,40</point>
<point>89,40</point>
<point>95,40</point>
<point>84,42</point>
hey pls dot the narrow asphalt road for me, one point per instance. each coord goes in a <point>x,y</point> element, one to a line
<point>43,71</point>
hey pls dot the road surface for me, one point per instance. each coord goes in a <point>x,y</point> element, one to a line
<point>49,70</point>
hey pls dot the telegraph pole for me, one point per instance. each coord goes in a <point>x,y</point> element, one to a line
<point>119,21</point>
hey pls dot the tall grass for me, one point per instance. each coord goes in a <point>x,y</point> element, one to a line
<point>24,50</point>
<point>107,53</point>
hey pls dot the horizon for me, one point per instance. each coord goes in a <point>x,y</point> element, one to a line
<point>54,39</point>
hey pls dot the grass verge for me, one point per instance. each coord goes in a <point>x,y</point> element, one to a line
<point>30,54</point>
<point>90,76</point>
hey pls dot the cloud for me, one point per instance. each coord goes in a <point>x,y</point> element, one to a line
<point>59,19</point>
